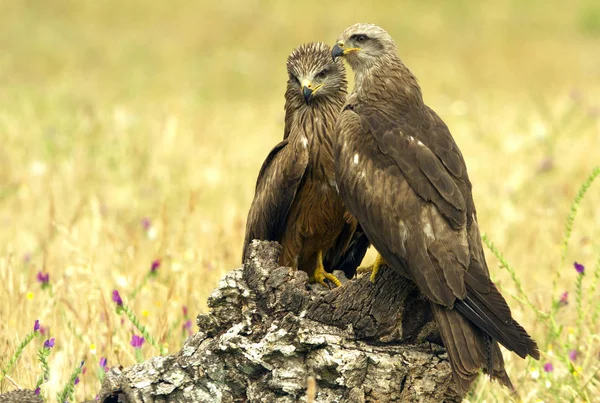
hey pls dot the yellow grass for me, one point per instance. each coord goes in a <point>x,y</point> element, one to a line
<point>112,111</point>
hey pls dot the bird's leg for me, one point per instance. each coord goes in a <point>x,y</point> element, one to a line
<point>379,260</point>
<point>320,274</point>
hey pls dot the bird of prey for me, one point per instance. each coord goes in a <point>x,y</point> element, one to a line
<point>296,199</point>
<point>402,176</point>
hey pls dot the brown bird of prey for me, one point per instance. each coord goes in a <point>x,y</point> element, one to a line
<point>296,199</point>
<point>401,174</point>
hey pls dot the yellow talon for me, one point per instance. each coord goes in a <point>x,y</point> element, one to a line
<point>320,274</point>
<point>379,260</point>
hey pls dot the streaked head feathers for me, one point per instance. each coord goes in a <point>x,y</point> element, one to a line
<point>313,74</point>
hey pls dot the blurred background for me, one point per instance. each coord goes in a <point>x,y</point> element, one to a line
<point>133,131</point>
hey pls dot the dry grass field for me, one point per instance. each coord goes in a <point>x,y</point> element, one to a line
<point>132,131</point>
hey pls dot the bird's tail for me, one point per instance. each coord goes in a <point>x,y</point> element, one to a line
<point>469,349</point>
<point>490,312</point>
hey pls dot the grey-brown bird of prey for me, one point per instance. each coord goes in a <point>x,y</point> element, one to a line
<point>296,200</point>
<point>402,176</point>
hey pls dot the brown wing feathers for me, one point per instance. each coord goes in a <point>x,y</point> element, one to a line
<point>278,182</point>
<point>469,348</point>
<point>432,182</point>
<point>491,313</point>
<point>412,180</point>
<point>420,167</point>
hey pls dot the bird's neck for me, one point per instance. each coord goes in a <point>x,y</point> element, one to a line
<point>323,111</point>
<point>298,113</point>
<point>312,126</point>
<point>388,80</point>
<point>319,114</point>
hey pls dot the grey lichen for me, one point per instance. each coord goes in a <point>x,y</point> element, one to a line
<point>268,332</point>
<point>20,396</point>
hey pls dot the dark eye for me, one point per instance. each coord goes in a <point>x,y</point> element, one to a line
<point>360,38</point>
<point>322,74</point>
<point>294,79</point>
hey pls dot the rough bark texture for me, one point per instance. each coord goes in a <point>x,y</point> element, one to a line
<point>270,337</point>
<point>20,396</point>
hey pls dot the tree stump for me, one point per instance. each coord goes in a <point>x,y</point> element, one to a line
<point>272,337</point>
<point>20,396</point>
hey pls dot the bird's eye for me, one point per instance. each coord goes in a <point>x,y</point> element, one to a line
<point>294,79</point>
<point>360,38</point>
<point>321,74</point>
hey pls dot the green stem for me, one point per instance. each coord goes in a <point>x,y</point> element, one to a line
<point>138,354</point>
<point>569,225</point>
<point>67,393</point>
<point>18,353</point>
<point>141,328</point>
<point>141,285</point>
<point>43,354</point>
<point>513,275</point>
<point>579,301</point>
<point>101,374</point>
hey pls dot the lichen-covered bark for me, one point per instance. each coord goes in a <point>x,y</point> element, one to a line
<point>268,332</point>
<point>20,396</point>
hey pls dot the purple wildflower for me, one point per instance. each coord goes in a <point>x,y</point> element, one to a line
<point>185,311</point>
<point>579,267</point>
<point>188,326</point>
<point>117,298</point>
<point>548,367</point>
<point>573,355</point>
<point>43,329</point>
<point>37,391</point>
<point>103,364</point>
<point>76,381</point>
<point>146,223</point>
<point>36,326</point>
<point>43,279</point>
<point>155,265</point>
<point>564,299</point>
<point>137,341</point>
<point>49,343</point>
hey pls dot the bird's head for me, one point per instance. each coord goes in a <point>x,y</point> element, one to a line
<point>363,44</point>
<point>313,75</point>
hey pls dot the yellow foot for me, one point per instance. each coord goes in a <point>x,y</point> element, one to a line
<point>320,275</point>
<point>372,269</point>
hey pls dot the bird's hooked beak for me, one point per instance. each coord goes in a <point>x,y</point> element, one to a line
<point>339,50</point>
<point>308,90</point>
